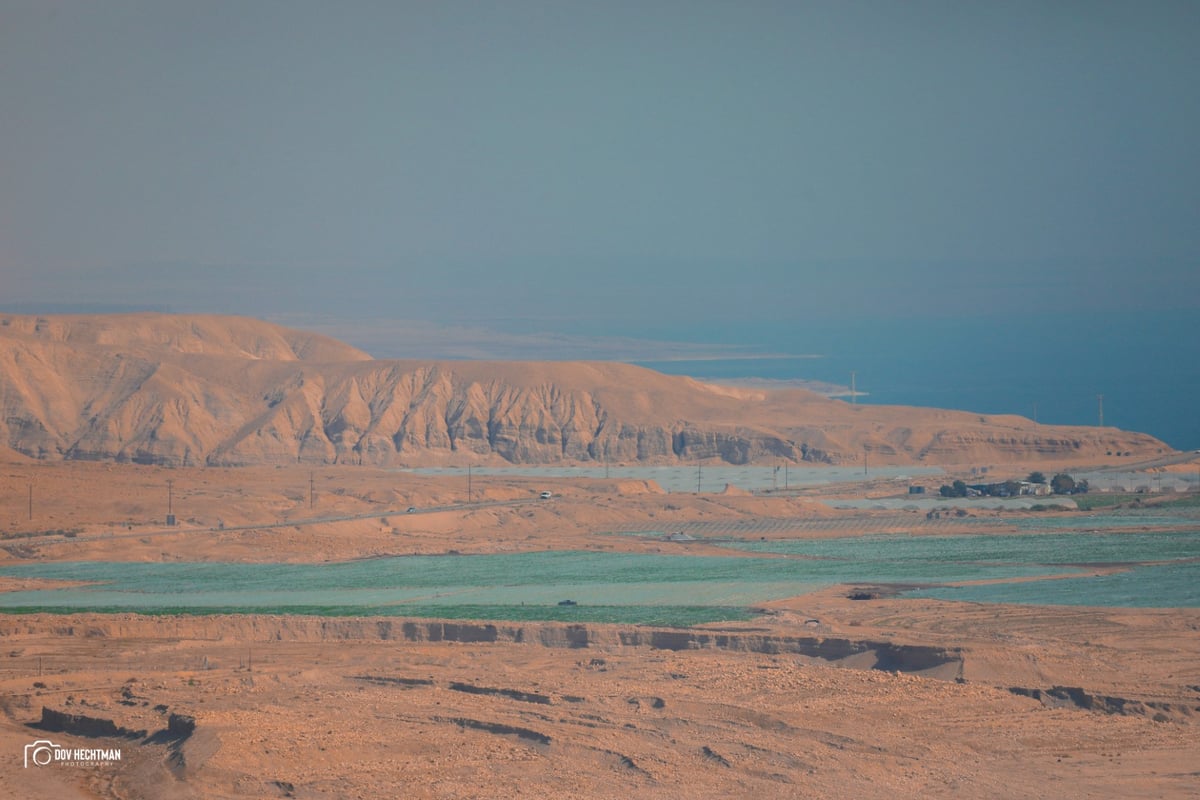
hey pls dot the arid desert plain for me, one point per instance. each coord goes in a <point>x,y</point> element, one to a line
<point>363,629</point>
<point>814,695</point>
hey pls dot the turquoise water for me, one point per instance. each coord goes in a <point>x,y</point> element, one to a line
<point>1144,584</point>
<point>1145,363</point>
<point>631,587</point>
<point>1163,586</point>
<point>952,554</point>
<point>606,586</point>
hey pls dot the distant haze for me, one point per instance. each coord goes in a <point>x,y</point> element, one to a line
<point>664,170</point>
<point>539,159</point>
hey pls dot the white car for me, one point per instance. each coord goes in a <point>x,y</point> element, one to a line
<point>546,495</point>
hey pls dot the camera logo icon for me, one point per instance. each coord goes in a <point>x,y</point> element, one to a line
<point>40,753</point>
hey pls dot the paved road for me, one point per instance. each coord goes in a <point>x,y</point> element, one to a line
<point>1155,463</point>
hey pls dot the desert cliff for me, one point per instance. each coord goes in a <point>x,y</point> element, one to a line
<point>192,390</point>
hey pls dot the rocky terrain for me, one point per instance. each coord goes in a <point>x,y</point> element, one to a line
<point>183,390</point>
<point>1042,703</point>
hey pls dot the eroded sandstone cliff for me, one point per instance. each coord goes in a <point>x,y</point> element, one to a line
<point>195,390</point>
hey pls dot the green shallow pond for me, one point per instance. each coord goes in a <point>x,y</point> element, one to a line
<point>1157,586</point>
<point>638,588</point>
<point>884,552</point>
<point>1145,583</point>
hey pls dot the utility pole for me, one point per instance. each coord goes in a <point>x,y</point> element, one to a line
<point>865,452</point>
<point>170,503</point>
<point>853,391</point>
<point>785,477</point>
<point>697,477</point>
<point>312,492</point>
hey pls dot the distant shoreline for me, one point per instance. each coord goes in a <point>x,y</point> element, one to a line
<point>820,387</point>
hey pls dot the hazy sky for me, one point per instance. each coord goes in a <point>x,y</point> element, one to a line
<point>600,160</point>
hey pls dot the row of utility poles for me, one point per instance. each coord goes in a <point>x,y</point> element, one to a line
<point>312,491</point>
<point>470,487</point>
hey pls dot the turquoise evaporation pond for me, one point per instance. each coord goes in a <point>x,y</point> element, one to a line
<point>1144,584</point>
<point>506,586</point>
<point>395,585</point>
<point>531,585</point>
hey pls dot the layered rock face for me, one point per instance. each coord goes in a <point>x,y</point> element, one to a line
<point>204,390</point>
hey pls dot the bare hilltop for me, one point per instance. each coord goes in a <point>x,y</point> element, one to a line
<point>205,390</point>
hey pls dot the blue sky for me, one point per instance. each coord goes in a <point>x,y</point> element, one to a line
<point>594,166</point>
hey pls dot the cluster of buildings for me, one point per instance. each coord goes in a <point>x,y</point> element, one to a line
<point>1008,489</point>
